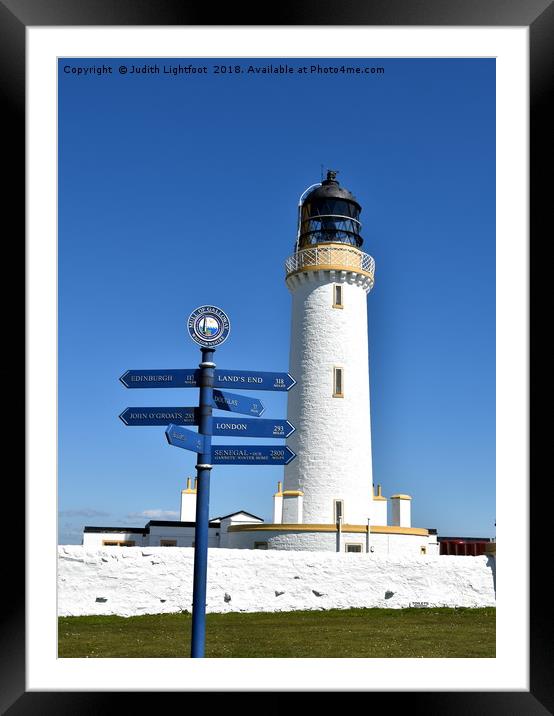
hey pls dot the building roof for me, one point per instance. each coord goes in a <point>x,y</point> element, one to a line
<point>214,523</point>
<point>240,512</point>
<point>464,539</point>
<point>176,523</point>
<point>126,530</point>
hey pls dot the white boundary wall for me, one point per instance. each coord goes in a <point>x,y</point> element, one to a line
<point>151,580</point>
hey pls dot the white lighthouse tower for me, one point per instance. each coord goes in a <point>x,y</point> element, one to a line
<point>326,500</point>
<point>330,482</point>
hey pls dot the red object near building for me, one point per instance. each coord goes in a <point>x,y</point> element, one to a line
<point>463,546</point>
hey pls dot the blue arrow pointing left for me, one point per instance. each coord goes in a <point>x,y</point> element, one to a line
<point>169,378</point>
<point>186,439</point>
<point>160,416</point>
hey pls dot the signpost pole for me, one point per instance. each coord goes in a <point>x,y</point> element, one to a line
<point>203,467</point>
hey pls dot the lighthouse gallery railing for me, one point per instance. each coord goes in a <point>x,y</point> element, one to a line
<point>331,257</point>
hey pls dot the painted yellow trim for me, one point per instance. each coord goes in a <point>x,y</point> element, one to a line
<point>346,248</point>
<point>292,527</point>
<point>379,498</point>
<point>188,491</point>
<point>392,530</point>
<point>340,244</point>
<point>292,493</point>
<point>332,267</point>
<point>400,497</point>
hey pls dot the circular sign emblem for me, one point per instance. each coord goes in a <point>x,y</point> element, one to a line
<point>208,326</point>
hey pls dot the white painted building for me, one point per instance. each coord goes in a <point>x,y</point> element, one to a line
<point>328,501</point>
<point>165,533</point>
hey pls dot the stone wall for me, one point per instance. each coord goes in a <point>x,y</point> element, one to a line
<point>151,580</point>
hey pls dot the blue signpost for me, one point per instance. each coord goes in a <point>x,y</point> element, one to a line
<point>203,468</point>
<point>209,326</point>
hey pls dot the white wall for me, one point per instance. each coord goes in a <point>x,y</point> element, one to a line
<point>277,508</point>
<point>383,544</point>
<point>188,505</point>
<point>379,516</point>
<point>278,540</point>
<point>292,509</point>
<point>183,535</point>
<point>153,580</point>
<point>401,511</point>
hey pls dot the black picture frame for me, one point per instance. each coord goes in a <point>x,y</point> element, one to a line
<point>538,16</point>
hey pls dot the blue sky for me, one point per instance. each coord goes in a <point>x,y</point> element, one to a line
<point>180,190</point>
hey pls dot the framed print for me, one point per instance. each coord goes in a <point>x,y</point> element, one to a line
<point>52,58</point>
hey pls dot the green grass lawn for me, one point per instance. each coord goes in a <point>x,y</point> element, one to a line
<point>378,633</point>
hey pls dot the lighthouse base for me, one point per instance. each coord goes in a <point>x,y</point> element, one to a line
<point>381,540</point>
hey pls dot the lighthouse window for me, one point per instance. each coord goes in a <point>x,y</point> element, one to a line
<point>353,547</point>
<point>337,296</point>
<point>338,383</point>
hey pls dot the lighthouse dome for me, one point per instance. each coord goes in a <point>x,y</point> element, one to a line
<point>330,189</point>
<point>330,214</point>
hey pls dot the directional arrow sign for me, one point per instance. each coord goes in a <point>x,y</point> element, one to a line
<point>188,378</point>
<point>159,416</point>
<point>252,380</point>
<point>252,427</point>
<point>183,438</point>
<point>169,378</point>
<point>251,455</point>
<point>237,403</point>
